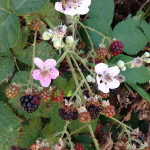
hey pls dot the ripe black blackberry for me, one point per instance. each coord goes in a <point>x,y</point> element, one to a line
<point>30,103</point>
<point>93,107</point>
<point>116,47</point>
<point>67,112</point>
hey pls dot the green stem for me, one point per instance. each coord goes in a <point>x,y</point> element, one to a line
<point>65,129</point>
<point>33,66</point>
<point>74,75</point>
<point>82,75</point>
<point>42,14</point>
<point>83,62</point>
<point>69,138</point>
<point>93,137</point>
<point>62,57</point>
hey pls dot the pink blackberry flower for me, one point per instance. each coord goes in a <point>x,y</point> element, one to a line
<point>46,71</point>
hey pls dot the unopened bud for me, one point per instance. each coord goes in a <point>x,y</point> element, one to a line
<point>89,78</point>
<point>147,60</point>
<point>69,40</point>
<point>57,44</point>
<point>120,64</point>
<point>124,68</point>
<point>145,55</point>
<point>46,35</point>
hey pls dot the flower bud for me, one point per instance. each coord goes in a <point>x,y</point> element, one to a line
<point>89,78</point>
<point>57,44</point>
<point>145,55</point>
<point>93,80</point>
<point>69,40</point>
<point>124,68</point>
<point>147,60</point>
<point>46,35</point>
<point>120,64</point>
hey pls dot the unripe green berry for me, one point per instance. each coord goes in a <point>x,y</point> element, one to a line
<point>120,64</point>
<point>124,68</point>
<point>89,78</point>
<point>93,80</point>
<point>69,40</point>
<point>57,44</point>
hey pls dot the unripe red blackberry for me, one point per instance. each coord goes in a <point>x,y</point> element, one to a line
<point>109,111</point>
<point>45,95</point>
<point>103,95</point>
<point>12,91</point>
<point>57,95</point>
<point>78,146</point>
<point>36,25</point>
<point>67,111</point>
<point>116,47</point>
<point>101,52</point>
<point>30,103</point>
<point>93,107</point>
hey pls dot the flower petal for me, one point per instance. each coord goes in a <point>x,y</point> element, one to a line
<point>103,87</point>
<point>38,62</point>
<point>100,68</point>
<point>68,11</point>
<point>86,3</point>
<point>36,74</point>
<point>49,63</point>
<point>82,10</point>
<point>45,82</point>
<point>54,73</point>
<point>113,71</point>
<point>114,84</point>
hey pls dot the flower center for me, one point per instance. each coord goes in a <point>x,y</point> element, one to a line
<point>45,73</point>
<point>105,78</point>
<point>59,31</point>
<point>74,3</point>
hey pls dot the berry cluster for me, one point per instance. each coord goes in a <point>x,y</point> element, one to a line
<point>78,146</point>
<point>57,95</point>
<point>93,107</point>
<point>36,25</point>
<point>109,111</point>
<point>12,91</point>
<point>45,95</point>
<point>116,47</point>
<point>67,112</point>
<point>30,103</point>
<point>101,52</point>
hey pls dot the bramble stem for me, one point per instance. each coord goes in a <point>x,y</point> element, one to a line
<point>74,75</point>
<point>33,66</point>
<point>93,137</point>
<point>85,81</point>
<point>65,129</point>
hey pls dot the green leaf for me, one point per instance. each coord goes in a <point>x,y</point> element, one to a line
<point>141,91</point>
<point>6,68</point>
<point>136,75</point>
<point>9,29</point>
<point>43,50</point>
<point>60,82</point>
<point>100,26</point>
<point>56,124</point>
<point>27,6</point>
<point>76,124</point>
<point>146,28</point>
<point>22,41</point>
<point>130,35</point>
<point>48,13</point>
<point>114,60</point>
<point>30,133</point>
<point>9,127</point>
<point>102,9</point>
